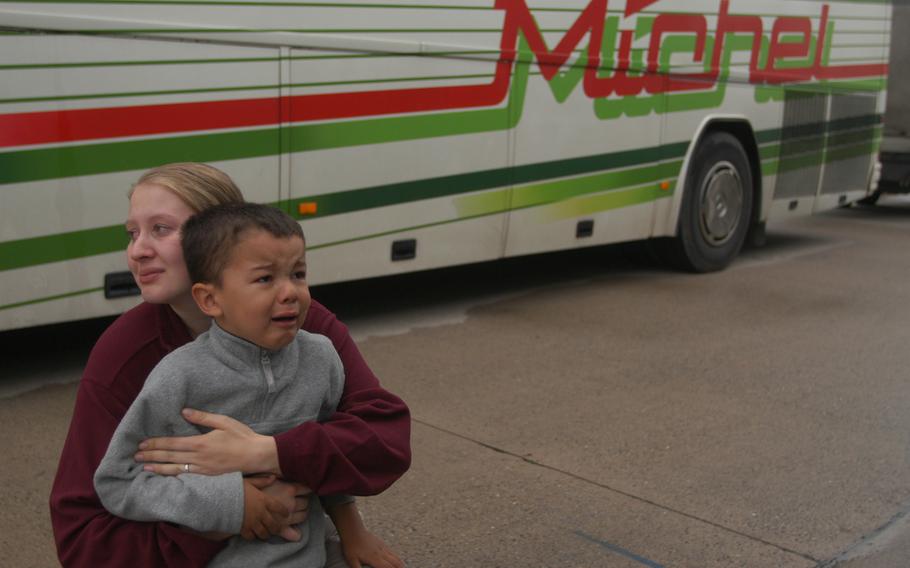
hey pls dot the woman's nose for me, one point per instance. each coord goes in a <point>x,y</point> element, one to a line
<point>139,248</point>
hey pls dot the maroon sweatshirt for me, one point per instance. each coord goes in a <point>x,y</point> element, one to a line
<point>361,450</point>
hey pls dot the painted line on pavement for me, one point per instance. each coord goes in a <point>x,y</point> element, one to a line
<point>619,550</point>
<point>617,491</point>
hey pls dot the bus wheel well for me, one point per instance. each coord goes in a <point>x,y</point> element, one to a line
<point>743,132</point>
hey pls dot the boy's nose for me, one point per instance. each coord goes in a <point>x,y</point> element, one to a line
<point>288,292</point>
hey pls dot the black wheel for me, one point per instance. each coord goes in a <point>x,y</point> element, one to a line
<point>872,199</point>
<point>716,207</point>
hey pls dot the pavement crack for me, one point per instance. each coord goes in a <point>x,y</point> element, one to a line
<point>868,542</point>
<point>623,493</point>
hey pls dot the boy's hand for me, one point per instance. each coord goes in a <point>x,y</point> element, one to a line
<point>360,547</point>
<point>263,515</point>
<point>366,549</point>
<point>295,497</point>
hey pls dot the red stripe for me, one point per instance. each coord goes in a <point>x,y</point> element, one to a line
<point>376,103</point>
<point>91,124</point>
<point>852,71</point>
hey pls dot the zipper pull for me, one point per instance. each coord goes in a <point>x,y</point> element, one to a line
<point>267,370</point>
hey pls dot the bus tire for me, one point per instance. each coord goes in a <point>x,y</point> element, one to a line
<point>872,199</point>
<point>716,206</point>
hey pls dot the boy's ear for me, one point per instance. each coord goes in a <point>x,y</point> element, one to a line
<point>204,295</point>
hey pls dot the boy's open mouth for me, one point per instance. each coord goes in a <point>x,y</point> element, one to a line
<point>285,318</point>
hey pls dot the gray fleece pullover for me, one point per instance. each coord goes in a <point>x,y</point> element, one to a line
<point>270,391</point>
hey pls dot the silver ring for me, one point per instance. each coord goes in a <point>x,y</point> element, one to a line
<point>186,468</point>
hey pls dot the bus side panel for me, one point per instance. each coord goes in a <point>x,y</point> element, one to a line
<point>85,116</point>
<point>378,180</point>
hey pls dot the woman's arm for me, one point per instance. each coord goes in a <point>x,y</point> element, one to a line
<point>362,449</point>
<point>85,533</point>
<point>366,445</point>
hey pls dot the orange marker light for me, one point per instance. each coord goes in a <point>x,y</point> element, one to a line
<point>307,208</point>
<point>664,185</point>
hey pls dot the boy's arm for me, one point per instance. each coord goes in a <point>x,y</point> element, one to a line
<point>202,503</point>
<point>86,534</point>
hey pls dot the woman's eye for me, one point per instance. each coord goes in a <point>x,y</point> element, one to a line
<point>161,229</point>
<point>133,234</point>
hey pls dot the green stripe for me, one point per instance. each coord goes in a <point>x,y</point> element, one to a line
<point>68,161</point>
<point>405,192</point>
<point>535,195</point>
<point>814,143</point>
<point>51,298</point>
<point>65,246</point>
<point>139,94</point>
<point>816,128</point>
<point>820,157</point>
<point>589,205</point>
<point>146,153</point>
<point>62,246</point>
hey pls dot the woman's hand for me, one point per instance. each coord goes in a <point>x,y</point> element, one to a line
<point>230,446</point>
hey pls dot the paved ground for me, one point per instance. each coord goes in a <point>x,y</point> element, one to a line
<point>584,410</point>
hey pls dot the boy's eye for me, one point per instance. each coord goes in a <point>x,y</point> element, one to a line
<point>300,275</point>
<point>264,279</point>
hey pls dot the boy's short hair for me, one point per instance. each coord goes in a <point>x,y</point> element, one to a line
<point>209,237</point>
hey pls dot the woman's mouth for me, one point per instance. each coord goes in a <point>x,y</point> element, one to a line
<point>149,276</point>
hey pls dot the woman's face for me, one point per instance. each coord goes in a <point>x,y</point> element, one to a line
<point>154,254</point>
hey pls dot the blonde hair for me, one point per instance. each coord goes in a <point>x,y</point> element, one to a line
<point>199,185</point>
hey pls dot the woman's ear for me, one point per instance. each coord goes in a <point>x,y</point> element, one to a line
<point>204,295</point>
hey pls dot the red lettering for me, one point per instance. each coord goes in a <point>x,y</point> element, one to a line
<point>780,50</point>
<point>590,21</point>
<point>670,23</point>
<point>727,24</point>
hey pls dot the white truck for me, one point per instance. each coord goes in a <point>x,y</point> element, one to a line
<point>895,149</point>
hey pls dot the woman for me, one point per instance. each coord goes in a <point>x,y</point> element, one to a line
<point>362,450</point>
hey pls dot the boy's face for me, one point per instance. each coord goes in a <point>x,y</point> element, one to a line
<point>263,296</point>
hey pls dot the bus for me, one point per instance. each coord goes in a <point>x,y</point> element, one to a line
<point>417,134</point>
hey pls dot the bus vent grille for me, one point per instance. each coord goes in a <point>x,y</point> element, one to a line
<point>851,146</point>
<point>802,144</point>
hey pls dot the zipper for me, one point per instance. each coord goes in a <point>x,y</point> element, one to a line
<point>266,363</point>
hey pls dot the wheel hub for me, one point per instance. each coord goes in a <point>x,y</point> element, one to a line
<point>721,203</point>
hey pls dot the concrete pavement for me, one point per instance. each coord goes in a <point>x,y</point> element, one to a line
<point>588,411</point>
